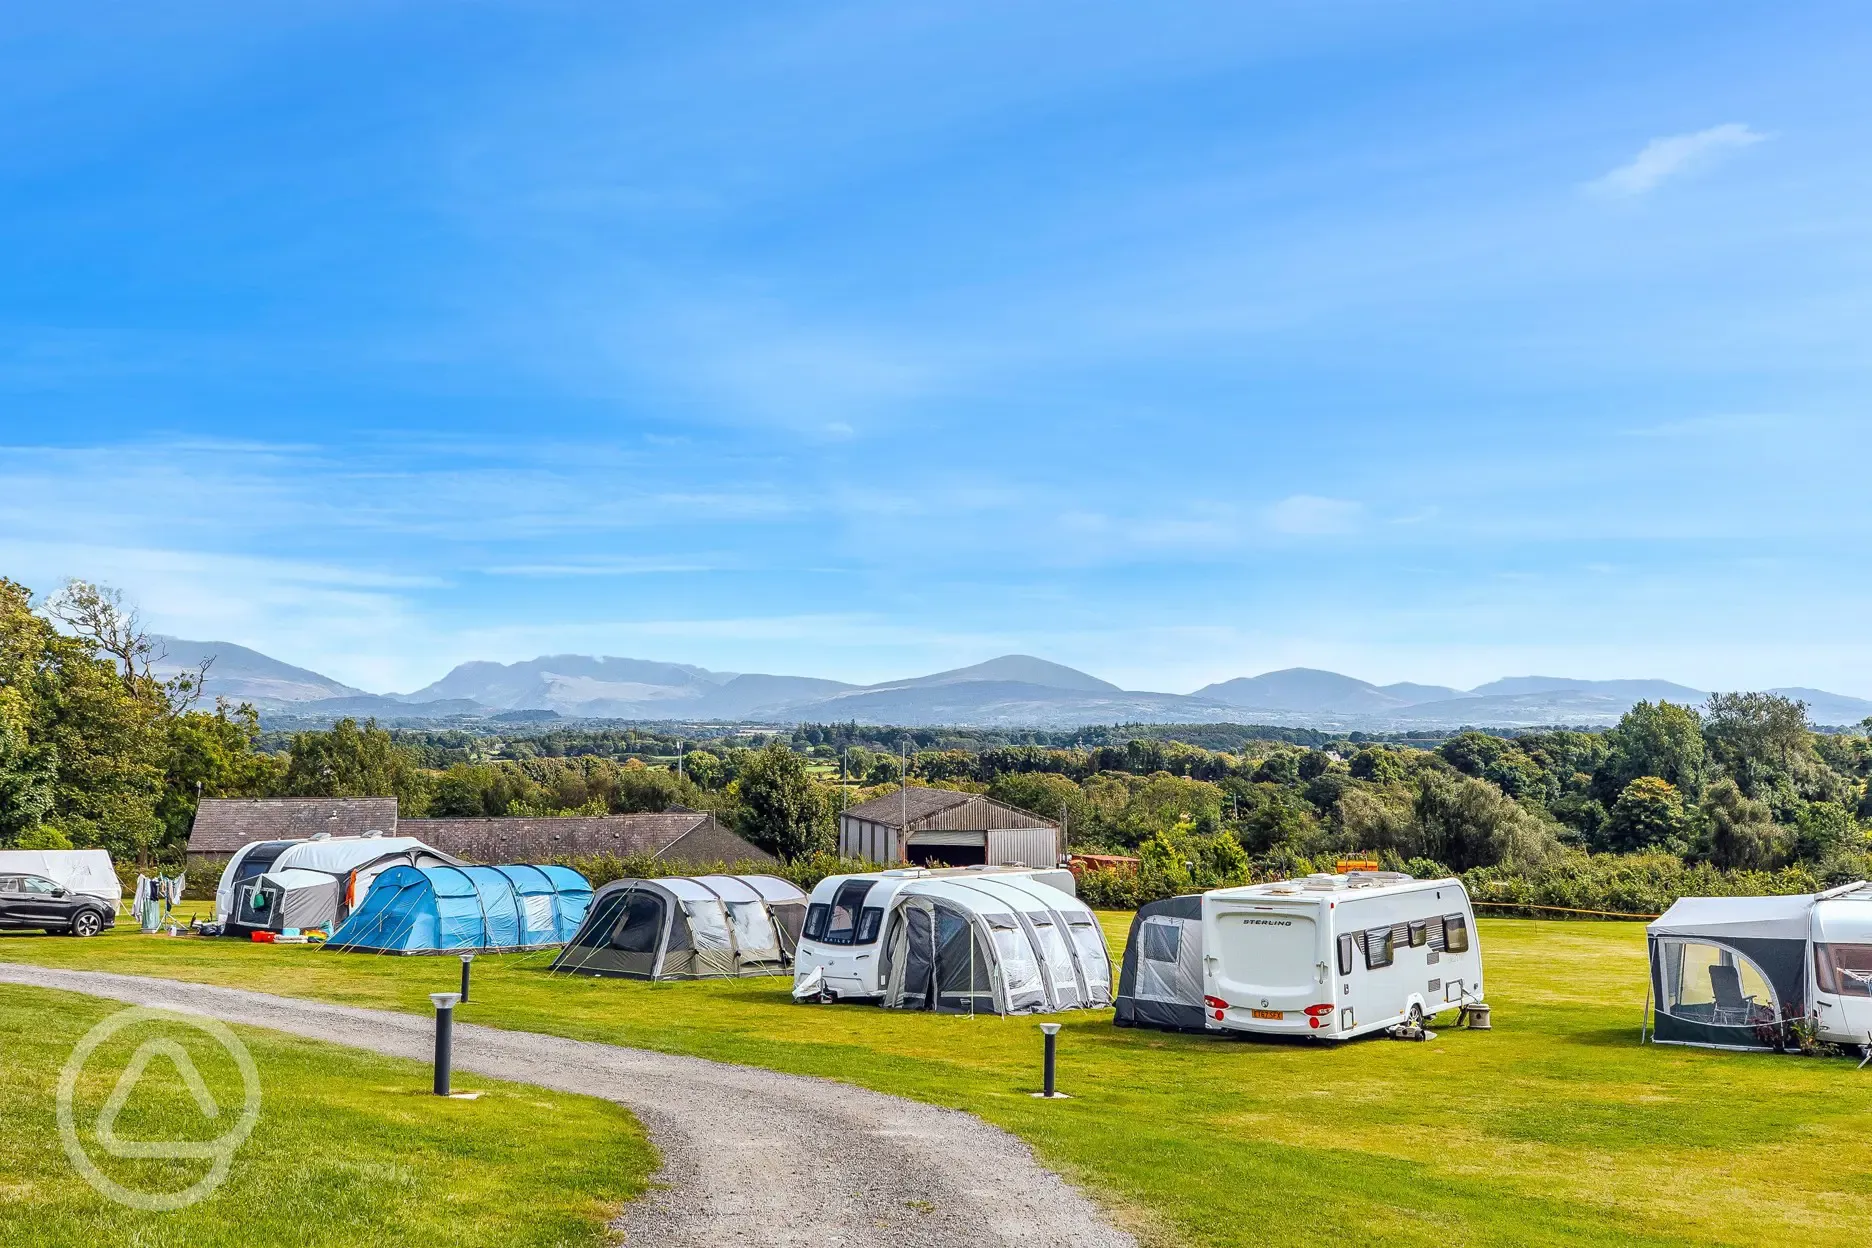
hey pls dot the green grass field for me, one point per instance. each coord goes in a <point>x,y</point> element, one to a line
<point>348,1148</point>
<point>1555,1128</point>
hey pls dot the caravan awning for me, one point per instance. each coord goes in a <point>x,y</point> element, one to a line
<point>1739,918</point>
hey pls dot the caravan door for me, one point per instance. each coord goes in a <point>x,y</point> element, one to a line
<point>1263,965</point>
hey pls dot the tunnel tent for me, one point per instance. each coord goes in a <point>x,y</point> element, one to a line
<point>1729,972</point>
<point>688,927</point>
<point>995,944</point>
<point>1161,982</point>
<point>449,909</point>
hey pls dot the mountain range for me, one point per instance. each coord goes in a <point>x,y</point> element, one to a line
<point>1009,692</point>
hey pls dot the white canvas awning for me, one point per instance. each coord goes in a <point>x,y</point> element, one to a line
<point>1741,918</point>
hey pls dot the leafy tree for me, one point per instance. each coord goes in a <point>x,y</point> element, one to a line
<point>704,769</point>
<point>1741,831</point>
<point>1762,742</point>
<point>1472,753</point>
<point>782,810</point>
<point>211,754</point>
<point>1649,814</point>
<point>353,761</point>
<point>1827,830</point>
<point>1653,739</point>
<point>1378,765</point>
<point>1467,823</point>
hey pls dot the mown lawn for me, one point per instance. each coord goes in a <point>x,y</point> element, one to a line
<point>348,1148</point>
<point>1555,1128</point>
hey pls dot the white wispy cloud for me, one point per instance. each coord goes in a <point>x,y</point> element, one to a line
<point>1310,515</point>
<point>1672,156</point>
<point>1709,426</point>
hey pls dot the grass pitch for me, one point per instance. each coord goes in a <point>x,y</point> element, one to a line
<point>1556,1128</point>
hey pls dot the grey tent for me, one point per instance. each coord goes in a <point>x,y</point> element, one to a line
<point>1161,982</point>
<point>681,927</point>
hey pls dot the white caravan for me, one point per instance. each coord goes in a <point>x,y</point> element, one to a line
<point>1337,956</point>
<point>839,950</point>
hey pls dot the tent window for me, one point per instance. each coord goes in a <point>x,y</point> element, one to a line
<point>1161,940</point>
<point>1419,933</point>
<point>1378,948</point>
<point>640,929</point>
<point>1710,984</point>
<point>1456,933</point>
<point>1845,970</point>
<point>816,916</point>
<point>1092,957</point>
<point>1345,953</point>
<point>870,919</point>
<point>753,930</point>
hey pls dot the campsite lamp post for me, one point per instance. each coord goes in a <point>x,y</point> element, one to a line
<point>467,961</point>
<point>444,1042</point>
<point>1049,1084</point>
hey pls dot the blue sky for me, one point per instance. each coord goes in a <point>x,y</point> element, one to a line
<point>1423,341</point>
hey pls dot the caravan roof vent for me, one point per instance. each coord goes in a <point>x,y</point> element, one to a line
<point>1324,883</point>
<point>373,833</point>
<point>321,836</point>
<point>1284,889</point>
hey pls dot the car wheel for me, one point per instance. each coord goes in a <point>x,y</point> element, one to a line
<point>87,924</point>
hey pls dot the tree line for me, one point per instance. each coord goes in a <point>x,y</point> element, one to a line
<point>94,750</point>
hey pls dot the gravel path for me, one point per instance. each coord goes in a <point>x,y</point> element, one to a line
<point>749,1155</point>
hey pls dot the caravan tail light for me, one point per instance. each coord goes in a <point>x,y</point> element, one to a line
<point>1215,1003</point>
<point>1318,1011</point>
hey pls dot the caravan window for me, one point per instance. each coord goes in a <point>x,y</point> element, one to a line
<point>1707,983</point>
<point>1345,954</point>
<point>869,920</point>
<point>1845,970</point>
<point>1378,948</point>
<point>1419,933</point>
<point>841,923</point>
<point>1456,933</point>
<point>816,916</point>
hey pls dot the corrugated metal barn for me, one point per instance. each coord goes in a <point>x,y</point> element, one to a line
<point>957,829</point>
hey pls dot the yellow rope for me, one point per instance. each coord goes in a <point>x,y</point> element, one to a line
<point>1610,914</point>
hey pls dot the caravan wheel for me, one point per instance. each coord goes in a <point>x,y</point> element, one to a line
<point>1416,1015</point>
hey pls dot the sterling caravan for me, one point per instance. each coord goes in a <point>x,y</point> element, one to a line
<point>1327,957</point>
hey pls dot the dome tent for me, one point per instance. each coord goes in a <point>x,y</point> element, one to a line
<point>443,909</point>
<point>678,927</point>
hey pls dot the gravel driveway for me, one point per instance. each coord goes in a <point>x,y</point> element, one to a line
<point>749,1156</point>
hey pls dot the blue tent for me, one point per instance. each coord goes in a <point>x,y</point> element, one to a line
<point>466,910</point>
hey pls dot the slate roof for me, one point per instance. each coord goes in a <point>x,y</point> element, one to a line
<point>224,824</point>
<point>914,805</point>
<point>681,834</point>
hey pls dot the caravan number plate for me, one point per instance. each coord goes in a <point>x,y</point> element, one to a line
<point>1269,1013</point>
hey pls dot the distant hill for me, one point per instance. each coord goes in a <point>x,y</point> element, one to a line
<point>1014,690</point>
<point>242,675</point>
<point>1304,689</point>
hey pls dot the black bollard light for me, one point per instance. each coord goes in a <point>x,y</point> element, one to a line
<point>1050,1084</point>
<point>467,961</point>
<point>445,1038</point>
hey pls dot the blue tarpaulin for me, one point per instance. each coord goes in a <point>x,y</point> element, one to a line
<point>466,910</point>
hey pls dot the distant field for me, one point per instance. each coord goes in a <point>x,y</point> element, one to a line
<point>349,1148</point>
<point>1556,1128</point>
